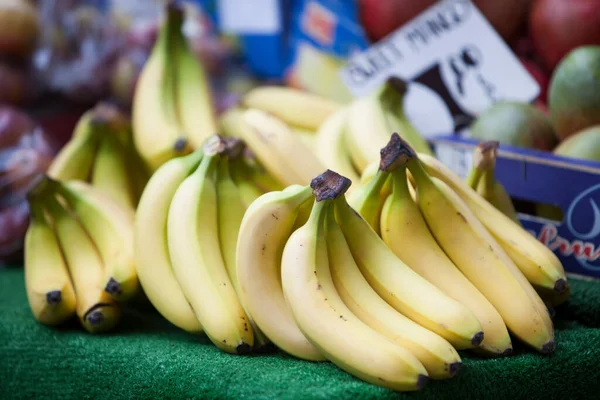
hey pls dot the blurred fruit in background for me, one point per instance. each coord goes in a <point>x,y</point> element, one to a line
<point>584,145</point>
<point>19,26</point>
<point>25,153</point>
<point>574,93</point>
<point>15,86</point>
<point>558,26</point>
<point>516,124</point>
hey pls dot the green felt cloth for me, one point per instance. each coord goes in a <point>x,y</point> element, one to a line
<point>149,358</point>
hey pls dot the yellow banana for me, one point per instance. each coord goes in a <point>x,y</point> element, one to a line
<point>231,209</point>
<point>326,321</point>
<point>438,356</point>
<point>538,263</point>
<point>75,159</point>
<point>152,259</point>
<point>282,140</point>
<point>373,118</point>
<point>159,133</point>
<point>110,227</point>
<point>368,200</point>
<point>331,146</point>
<point>470,246</point>
<point>405,231</point>
<point>49,288</point>
<point>482,179</point>
<point>95,308</point>
<point>403,288</point>
<point>266,226</point>
<point>256,172</point>
<point>295,107</point>
<point>260,141</point>
<point>193,239</point>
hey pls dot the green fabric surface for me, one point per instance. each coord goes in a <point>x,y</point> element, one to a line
<point>146,357</point>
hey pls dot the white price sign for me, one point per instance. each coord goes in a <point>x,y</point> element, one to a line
<point>452,51</point>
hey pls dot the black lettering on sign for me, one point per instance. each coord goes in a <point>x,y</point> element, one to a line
<point>444,20</point>
<point>374,61</point>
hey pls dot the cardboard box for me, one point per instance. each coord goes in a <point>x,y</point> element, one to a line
<point>534,177</point>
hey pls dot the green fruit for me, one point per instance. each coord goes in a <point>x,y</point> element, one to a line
<point>584,145</point>
<point>515,124</point>
<point>574,94</point>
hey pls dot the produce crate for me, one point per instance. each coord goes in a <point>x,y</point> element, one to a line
<point>534,177</point>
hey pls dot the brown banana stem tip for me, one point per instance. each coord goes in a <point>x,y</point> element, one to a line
<point>485,153</point>
<point>180,144</point>
<point>214,144</point>
<point>243,348</point>
<point>399,84</point>
<point>113,287</point>
<point>40,184</point>
<point>54,297</point>
<point>106,113</point>
<point>234,147</point>
<point>329,185</point>
<point>94,315</point>
<point>395,154</point>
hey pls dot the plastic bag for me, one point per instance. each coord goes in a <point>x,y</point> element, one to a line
<point>25,154</point>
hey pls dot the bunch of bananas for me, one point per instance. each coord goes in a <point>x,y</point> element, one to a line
<point>186,235</point>
<point>349,140</point>
<point>172,111</point>
<point>482,178</point>
<point>78,255</point>
<point>101,152</point>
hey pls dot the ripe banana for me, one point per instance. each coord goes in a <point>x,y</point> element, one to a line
<point>231,209</point>
<point>331,146</point>
<point>266,226</point>
<point>328,324</point>
<point>373,118</point>
<point>368,200</point>
<point>403,288</point>
<point>438,356</point>
<point>110,173</point>
<point>49,288</point>
<point>282,140</point>
<point>405,231</point>
<point>482,179</point>
<point>159,131</point>
<point>193,239</point>
<point>260,141</point>
<point>75,159</point>
<point>257,173</point>
<point>152,258</point>
<point>110,227</point>
<point>470,246</point>
<point>295,107</point>
<point>538,263</point>
<point>95,308</point>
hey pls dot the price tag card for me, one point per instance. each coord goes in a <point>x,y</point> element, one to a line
<point>254,17</point>
<point>455,61</point>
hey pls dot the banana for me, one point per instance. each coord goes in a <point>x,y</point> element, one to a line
<point>470,246</point>
<point>49,288</point>
<point>231,209</point>
<point>331,146</point>
<point>438,356</point>
<point>110,227</point>
<point>282,140</point>
<point>193,240</point>
<point>265,228</point>
<point>482,179</point>
<point>110,173</point>
<point>326,321</point>
<point>368,200</point>
<point>75,159</point>
<point>537,262</point>
<point>373,118</point>
<point>295,107</point>
<point>403,288</point>
<point>257,173</point>
<point>152,260</point>
<point>405,231</point>
<point>308,137</point>
<point>260,141</point>
<point>95,308</point>
<point>159,133</point>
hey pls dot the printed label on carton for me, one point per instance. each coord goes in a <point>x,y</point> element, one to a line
<point>256,17</point>
<point>454,51</point>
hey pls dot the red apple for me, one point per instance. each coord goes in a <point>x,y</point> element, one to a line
<point>381,17</point>
<point>559,26</point>
<point>539,75</point>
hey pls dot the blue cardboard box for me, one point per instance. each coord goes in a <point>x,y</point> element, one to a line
<point>535,177</point>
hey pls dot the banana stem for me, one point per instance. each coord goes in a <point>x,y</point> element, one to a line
<point>474,177</point>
